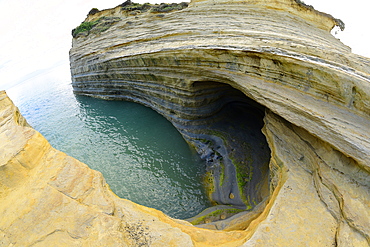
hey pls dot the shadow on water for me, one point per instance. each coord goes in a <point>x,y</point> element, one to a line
<point>142,156</point>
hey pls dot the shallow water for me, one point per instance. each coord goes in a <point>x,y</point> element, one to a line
<point>141,155</point>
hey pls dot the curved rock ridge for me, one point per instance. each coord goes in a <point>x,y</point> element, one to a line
<point>50,199</point>
<point>294,7</point>
<point>219,71</point>
<point>215,65</point>
<point>271,56</point>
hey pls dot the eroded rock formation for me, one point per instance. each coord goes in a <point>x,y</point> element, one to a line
<point>219,71</point>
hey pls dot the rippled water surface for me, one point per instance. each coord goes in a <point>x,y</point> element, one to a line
<point>141,155</point>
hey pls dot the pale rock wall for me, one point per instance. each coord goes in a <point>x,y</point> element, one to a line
<point>316,99</point>
<point>278,53</point>
<point>50,199</point>
<point>275,52</point>
<point>279,60</point>
<point>295,7</point>
<point>319,198</point>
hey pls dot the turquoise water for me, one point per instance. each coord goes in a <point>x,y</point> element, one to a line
<point>141,155</point>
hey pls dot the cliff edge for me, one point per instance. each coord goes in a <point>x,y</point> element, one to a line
<point>277,107</point>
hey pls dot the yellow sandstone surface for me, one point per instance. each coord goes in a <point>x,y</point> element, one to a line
<point>278,53</point>
<point>50,199</point>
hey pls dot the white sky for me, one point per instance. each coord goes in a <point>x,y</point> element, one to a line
<point>36,35</point>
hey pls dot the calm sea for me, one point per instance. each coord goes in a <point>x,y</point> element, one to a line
<point>141,155</point>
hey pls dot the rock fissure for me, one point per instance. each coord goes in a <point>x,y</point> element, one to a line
<point>333,198</point>
<point>40,240</point>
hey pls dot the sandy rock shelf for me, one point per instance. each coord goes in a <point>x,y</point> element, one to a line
<point>200,67</point>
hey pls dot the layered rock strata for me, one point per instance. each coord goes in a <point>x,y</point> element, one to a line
<point>213,68</point>
<point>50,199</point>
<point>320,197</point>
<point>209,113</point>
<point>216,70</point>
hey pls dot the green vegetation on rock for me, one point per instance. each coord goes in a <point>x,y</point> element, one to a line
<point>222,173</point>
<point>209,184</point>
<point>137,6</point>
<point>156,8</point>
<point>218,214</point>
<point>84,27</point>
<point>244,171</point>
<point>164,7</point>
<point>100,25</point>
<point>104,23</point>
<point>93,11</point>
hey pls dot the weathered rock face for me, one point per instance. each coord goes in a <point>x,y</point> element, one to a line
<point>216,70</point>
<point>50,199</point>
<point>229,61</point>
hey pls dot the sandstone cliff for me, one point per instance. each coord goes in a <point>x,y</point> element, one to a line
<point>219,71</point>
<point>50,199</point>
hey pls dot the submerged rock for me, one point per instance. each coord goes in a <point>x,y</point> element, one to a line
<point>219,71</point>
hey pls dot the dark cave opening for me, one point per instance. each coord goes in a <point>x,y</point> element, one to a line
<point>230,140</point>
<point>224,126</point>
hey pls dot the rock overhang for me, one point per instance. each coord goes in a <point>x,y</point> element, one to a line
<point>295,7</point>
<point>316,99</point>
<point>290,64</point>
